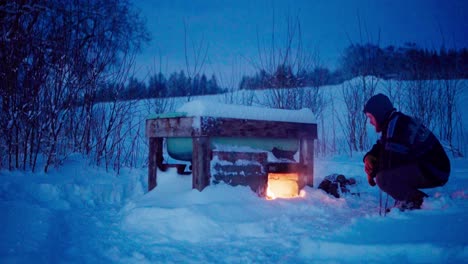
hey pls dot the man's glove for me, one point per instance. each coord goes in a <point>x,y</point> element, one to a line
<point>370,163</point>
<point>370,180</point>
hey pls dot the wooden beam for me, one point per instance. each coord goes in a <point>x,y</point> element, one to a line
<point>155,159</point>
<point>201,157</point>
<point>171,127</point>
<point>306,157</point>
<point>229,127</point>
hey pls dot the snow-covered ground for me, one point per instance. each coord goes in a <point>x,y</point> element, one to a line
<point>82,214</point>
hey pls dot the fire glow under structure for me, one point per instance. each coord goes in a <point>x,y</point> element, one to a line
<point>270,150</point>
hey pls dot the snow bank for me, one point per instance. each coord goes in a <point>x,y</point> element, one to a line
<point>89,215</point>
<point>231,224</point>
<point>381,253</point>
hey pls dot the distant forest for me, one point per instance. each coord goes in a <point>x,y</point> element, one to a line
<point>408,62</point>
<point>403,63</point>
<point>178,84</point>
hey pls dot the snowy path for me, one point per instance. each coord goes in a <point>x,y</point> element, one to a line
<point>31,233</point>
<point>60,218</point>
<point>267,231</point>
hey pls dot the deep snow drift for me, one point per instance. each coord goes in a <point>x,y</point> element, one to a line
<point>88,216</point>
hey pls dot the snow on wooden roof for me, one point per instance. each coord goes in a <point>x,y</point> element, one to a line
<point>201,108</point>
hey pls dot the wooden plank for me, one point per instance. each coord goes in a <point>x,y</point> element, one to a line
<point>229,127</point>
<point>233,156</point>
<point>201,157</point>
<point>170,127</point>
<point>252,173</point>
<point>154,160</point>
<point>306,157</point>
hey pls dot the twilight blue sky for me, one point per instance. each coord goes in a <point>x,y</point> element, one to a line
<point>228,29</point>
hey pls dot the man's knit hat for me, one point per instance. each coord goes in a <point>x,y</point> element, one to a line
<point>380,107</point>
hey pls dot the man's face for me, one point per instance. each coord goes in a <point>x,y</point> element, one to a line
<point>373,122</point>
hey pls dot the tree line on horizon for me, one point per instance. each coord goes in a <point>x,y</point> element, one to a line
<point>408,62</point>
<point>178,84</point>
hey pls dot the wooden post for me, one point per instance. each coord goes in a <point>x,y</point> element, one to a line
<point>201,157</point>
<point>154,160</point>
<point>307,160</point>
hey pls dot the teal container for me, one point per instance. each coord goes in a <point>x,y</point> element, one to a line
<point>181,148</point>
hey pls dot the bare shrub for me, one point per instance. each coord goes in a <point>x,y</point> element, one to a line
<point>355,94</point>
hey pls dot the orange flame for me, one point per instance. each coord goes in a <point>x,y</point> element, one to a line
<point>283,185</point>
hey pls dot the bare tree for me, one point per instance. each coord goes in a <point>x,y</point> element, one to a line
<point>196,59</point>
<point>357,91</point>
<point>54,55</point>
<point>284,66</point>
<point>394,89</point>
<point>233,95</point>
<point>112,126</point>
<point>286,62</point>
<point>447,113</point>
<point>355,95</point>
<point>421,100</point>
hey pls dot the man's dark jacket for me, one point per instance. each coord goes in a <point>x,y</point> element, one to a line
<point>405,141</point>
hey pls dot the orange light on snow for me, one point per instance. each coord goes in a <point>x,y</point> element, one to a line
<point>283,185</point>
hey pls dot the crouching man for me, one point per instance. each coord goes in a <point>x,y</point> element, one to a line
<point>406,158</point>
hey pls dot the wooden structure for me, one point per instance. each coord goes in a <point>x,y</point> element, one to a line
<point>202,128</point>
<point>252,170</point>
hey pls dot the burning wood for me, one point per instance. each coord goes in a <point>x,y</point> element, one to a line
<point>283,185</point>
